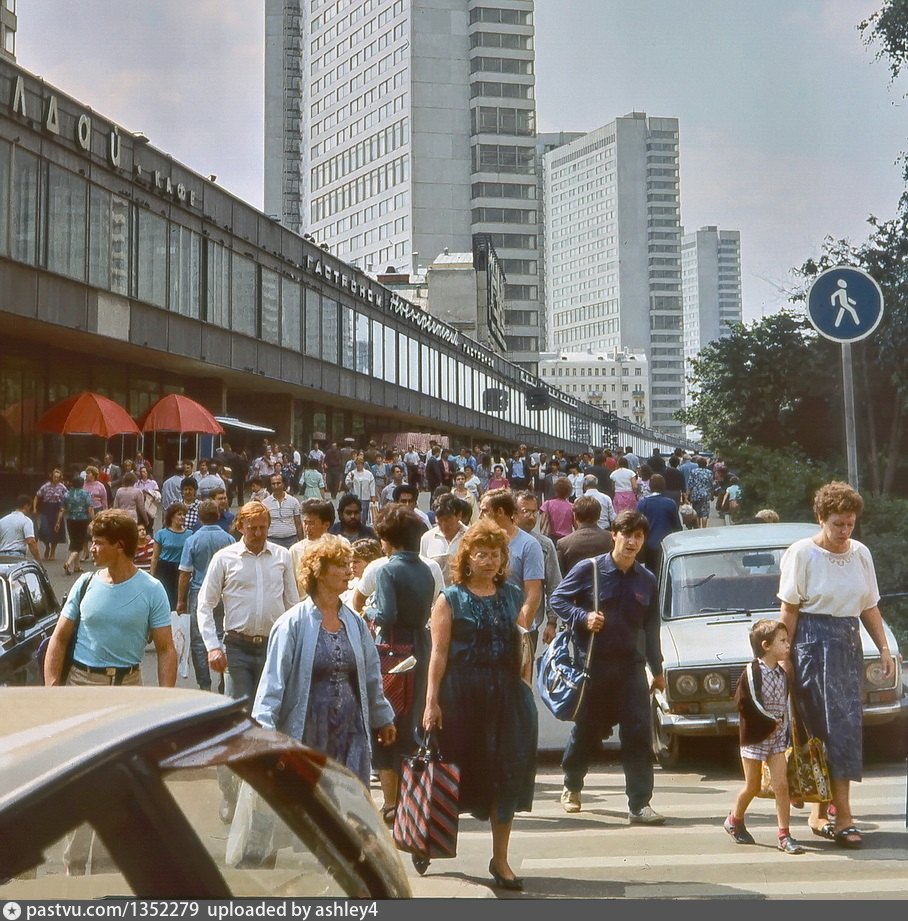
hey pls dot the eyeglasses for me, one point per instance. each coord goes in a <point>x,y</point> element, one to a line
<point>483,555</point>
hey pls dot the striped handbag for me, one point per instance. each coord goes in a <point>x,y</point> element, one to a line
<point>426,820</point>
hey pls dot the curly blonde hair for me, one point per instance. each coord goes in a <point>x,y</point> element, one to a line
<point>319,554</point>
<point>837,498</point>
<point>485,533</point>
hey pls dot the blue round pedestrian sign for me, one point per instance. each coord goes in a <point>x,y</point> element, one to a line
<point>845,304</point>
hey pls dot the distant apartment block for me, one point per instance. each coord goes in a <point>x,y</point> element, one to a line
<point>616,380</point>
<point>710,287</point>
<point>613,250</point>
<point>402,127</point>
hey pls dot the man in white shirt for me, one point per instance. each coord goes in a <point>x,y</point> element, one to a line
<point>591,488</point>
<point>397,479</point>
<point>441,542</point>
<point>17,531</point>
<point>286,522</point>
<point>254,579</point>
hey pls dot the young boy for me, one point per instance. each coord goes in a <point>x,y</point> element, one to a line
<point>762,699</point>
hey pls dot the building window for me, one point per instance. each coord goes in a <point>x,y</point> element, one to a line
<point>4,195</point>
<point>25,207</point>
<point>243,300</point>
<point>98,237</point>
<point>347,346</point>
<point>312,341</point>
<point>185,271</point>
<point>330,342</point>
<point>291,309</point>
<point>152,259</point>
<point>361,346</point>
<point>271,306</point>
<point>218,302</point>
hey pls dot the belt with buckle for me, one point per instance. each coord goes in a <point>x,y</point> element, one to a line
<point>111,671</point>
<point>246,638</point>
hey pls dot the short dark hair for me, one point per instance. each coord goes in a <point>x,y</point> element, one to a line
<point>501,499</point>
<point>446,505</point>
<point>346,500</point>
<point>321,508</point>
<point>175,507</point>
<point>115,526</point>
<point>23,500</point>
<point>657,482</point>
<point>189,482</point>
<point>401,527</point>
<point>587,510</point>
<point>764,631</point>
<point>408,488</point>
<point>630,522</point>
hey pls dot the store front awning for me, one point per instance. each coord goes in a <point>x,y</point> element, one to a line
<point>231,422</point>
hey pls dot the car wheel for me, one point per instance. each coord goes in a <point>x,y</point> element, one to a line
<point>666,745</point>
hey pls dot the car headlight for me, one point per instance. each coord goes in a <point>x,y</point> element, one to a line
<point>686,685</point>
<point>875,675</point>
<point>715,683</point>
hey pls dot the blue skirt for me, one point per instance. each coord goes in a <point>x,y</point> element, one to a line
<point>828,666</point>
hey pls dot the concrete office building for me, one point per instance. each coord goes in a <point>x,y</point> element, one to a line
<point>395,127</point>
<point>616,380</point>
<point>613,250</point>
<point>710,287</point>
<point>8,29</point>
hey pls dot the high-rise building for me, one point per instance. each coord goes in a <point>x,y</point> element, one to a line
<point>402,127</point>
<point>710,287</point>
<point>8,29</point>
<point>612,207</point>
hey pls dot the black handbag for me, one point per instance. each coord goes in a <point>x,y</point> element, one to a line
<point>561,678</point>
<point>41,653</point>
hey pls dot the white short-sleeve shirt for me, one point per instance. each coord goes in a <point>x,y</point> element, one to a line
<point>820,582</point>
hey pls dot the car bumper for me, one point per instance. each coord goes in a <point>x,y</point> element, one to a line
<point>712,724</point>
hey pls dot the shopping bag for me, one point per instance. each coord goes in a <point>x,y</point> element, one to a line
<point>561,676</point>
<point>398,680</point>
<point>179,627</point>
<point>426,820</point>
<point>808,772</point>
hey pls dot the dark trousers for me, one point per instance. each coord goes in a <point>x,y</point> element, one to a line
<point>333,479</point>
<point>618,695</point>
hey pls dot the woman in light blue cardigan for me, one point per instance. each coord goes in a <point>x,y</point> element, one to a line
<point>322,682</point>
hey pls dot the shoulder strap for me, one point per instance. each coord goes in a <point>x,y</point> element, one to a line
<point>751,673</point>
<point>82,590</point>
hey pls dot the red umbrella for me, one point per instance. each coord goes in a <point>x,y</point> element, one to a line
<point>87,414</point>
<point>177,413</point>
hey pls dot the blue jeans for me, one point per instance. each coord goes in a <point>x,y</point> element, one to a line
<point>618,695</point>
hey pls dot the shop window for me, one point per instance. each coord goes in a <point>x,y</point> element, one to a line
<point>271,306</point>
<point>291,319</point>
<point>185,268</point>
<point>66,220</point>
<point>243,312</point>
<point>152,259</point>
<point>25,207</point>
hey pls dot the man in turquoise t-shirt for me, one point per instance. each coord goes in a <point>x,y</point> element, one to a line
<point>112,618</point>
<point>121,607</point>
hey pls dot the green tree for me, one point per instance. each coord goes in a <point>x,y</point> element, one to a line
<point>770,383</point>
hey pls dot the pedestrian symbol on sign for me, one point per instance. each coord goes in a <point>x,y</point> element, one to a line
<point>844,303</point>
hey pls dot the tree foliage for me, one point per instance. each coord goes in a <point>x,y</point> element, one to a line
<point>770,383</point>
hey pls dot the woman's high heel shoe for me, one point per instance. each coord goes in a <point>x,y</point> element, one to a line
<point>515,884</point>
<point>67,570</point>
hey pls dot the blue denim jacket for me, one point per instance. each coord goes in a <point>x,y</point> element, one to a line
<point>282,698</point>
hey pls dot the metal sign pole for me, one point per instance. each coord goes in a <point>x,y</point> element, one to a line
<point>851,447</point>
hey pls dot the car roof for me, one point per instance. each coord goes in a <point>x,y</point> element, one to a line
<point>49,733</point>
<point>737,537</point>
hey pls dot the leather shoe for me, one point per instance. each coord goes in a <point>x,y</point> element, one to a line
<point>515,884</point>
<point>226,811</point>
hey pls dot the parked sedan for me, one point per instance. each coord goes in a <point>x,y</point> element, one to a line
<point>115,792</point>
<point>713,584</point>
<point>28,612</point>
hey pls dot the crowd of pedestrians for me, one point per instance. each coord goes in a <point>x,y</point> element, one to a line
<point>329,553</point>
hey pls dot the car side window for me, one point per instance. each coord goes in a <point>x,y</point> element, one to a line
<point>21,597</point>
<point>40,602</point>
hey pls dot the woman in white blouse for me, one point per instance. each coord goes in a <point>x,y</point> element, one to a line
<point>625,480</point>
<point>360,482</point>
<point>827,586</point>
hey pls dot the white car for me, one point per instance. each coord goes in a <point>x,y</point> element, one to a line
<point>713,584</point>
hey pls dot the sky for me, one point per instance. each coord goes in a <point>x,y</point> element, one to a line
<point>789,127</point>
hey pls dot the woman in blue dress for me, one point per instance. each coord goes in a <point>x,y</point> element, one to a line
<point>322,681</point>
<point>484,713</point>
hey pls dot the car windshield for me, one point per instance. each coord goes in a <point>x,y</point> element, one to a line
<point>729,581</point>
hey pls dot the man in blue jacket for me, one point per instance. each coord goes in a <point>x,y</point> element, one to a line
<point>623,621</point>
